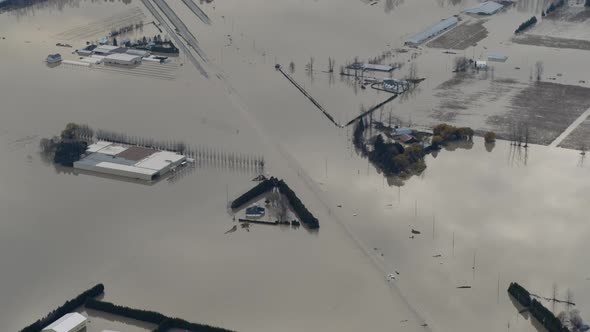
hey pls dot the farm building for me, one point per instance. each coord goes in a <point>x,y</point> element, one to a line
<point>432,31</point>
<point>128,161</point>
<point>485,8</point>
<point>395,85</point>
<point>481,65</point>
<point>402,131</point>
<point>108,49</point>
<point>492,56</point>
<point>140,53</point>
<point>122,59</point>
<point>72,322</point>
<point>370,67</point>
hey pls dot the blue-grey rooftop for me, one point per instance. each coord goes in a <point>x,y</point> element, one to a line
<point>485,8</point>
<point>432,31</point>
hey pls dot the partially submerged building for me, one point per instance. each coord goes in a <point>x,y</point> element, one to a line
<point>493,56</point>
<point>394,85</point>
<point>485,8</point>
<point>370,67</point>
<point>129,161</point>
<point>432,31</point>
<point>72,322</point>
<point>481,64</point>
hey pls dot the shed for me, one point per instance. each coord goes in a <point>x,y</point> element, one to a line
<point>84,52</point>
<point>122,59</point>
<point>402,131</point>
<point>481,64</point>
<point>375,67</point>
<point>493,56</point>
<point>72,322</point>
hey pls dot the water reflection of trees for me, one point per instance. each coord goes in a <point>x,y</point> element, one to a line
<point>392,4</point>
<point>30,7</point>
<point>531,6</point>
<point>444,3</point>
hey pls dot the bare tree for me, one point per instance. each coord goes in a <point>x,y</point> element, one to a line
<point>310,64</point>
<point>413,72</point>
<point>461,64</point>
<point>539,70</point>
<point>331,63</point>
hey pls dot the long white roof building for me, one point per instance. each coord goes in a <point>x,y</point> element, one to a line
<point>72,322</point>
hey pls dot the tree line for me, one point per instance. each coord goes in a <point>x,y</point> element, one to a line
<point>69,146</point>
<point>553,7</point>
<point>541,314</point>
<point>163,322</point>
<point>259,189</point>
<point>66,308</point>
<point>299,208</point>
<point>444,133</point>
<point>530,22</point>
<point>391,158</point>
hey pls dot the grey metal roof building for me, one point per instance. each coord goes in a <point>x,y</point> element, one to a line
<point>432,31</point>
<point>485,8</point>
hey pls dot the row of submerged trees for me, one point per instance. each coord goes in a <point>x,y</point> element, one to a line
<point>529,23</point>
<point>307,218</point>
<point>553,7</point>
<point>69,146</point>
<point>74,139</point>
<point>542,314</point>
<point>66,308</point>
<point>163,322</point>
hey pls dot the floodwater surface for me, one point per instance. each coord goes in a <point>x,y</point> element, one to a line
<point>512,214</point>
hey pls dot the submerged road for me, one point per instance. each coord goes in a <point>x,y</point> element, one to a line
<point>315,102</point>
<point>181,28</point>
<point>174,36</point>
<point>321,108</point>
<point>371,110</point>
<point>197,10</point>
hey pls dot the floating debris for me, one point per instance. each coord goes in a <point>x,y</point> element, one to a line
<point>437,256</point>
<point>464,287</point>
<point>415,231</point>
<point>231,230</point>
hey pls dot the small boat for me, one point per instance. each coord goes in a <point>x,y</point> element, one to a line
<point>54,58</point>
<point>255,211</point>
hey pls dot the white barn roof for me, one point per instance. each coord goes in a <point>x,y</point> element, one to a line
<point>126,168</point>
<point>97,146</point>
<point>66,323</point>
<point>160,160</point>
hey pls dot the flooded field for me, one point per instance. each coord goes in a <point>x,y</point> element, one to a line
<point>509,214</point>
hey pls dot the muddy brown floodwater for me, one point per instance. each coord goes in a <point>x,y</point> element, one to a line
<point>513,214</point>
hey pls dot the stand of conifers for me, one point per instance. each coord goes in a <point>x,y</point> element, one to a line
<point>269,184</point>
<point>541,314</point>
<point>87,299</point>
